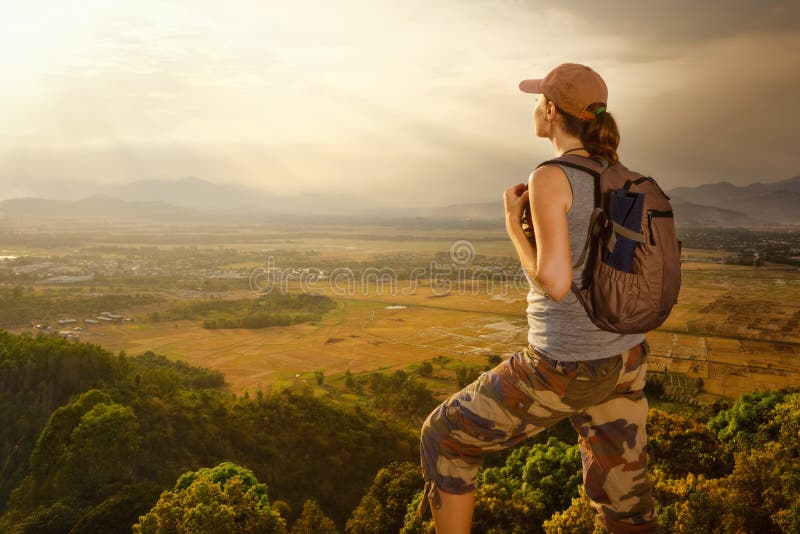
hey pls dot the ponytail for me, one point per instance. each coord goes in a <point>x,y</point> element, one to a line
<point>600,136</point>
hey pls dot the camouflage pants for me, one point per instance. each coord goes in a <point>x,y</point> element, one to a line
<point>603,399</point>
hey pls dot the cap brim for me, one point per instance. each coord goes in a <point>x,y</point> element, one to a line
<point>531,86</point>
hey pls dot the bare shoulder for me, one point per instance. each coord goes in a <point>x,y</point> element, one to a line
<point>549,183</point>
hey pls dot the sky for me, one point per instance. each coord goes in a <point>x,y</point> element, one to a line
<point>413,102</point>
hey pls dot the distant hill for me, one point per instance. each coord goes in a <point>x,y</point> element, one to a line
<point>104,208</point>
<point>714,194</point>
<point>191,193</point>
<point>233,200</point>
<point>477,211</point>
<point>189,198</point>
<point>779,206</point>
<point>686,214</point>
<point>94,207</point>
<point>760,203</point>
<point>720,204</point>
<point>193,200</point>
<point>691,214</point>
<point>705,194</point>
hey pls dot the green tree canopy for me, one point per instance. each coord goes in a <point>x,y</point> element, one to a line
<point>762,493</point>
<point>553,469</point>
<point>578,518</point>
<point>86,446</point>
<point>679,446</point>
<point>383,508</point>
<point>84,455</point>
<point>313,521</point>
<point>739,426</point>
<point>222,500</point>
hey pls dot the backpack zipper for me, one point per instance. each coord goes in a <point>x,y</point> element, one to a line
<point>660,213</point>
<point>650,215</point>
<point>650,227</point>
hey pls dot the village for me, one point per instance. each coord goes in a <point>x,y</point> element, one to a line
<point>70,328</point>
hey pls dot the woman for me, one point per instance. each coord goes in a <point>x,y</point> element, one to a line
<point>570,368</point>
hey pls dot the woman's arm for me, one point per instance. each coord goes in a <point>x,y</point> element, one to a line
<point>515,198</point>
<point>549,262</point>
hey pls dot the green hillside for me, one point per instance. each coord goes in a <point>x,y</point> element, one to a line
<point>96,442</point>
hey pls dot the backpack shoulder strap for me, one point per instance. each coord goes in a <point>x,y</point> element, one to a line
<point>590,166</point>
<point>585,164</point>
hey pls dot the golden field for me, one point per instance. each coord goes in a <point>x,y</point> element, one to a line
<point>734,327</point>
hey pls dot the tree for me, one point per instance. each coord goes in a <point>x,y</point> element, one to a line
<point>697,504</point>
<point>84,455</point>
<point>383,508</point>
<point>221,500</point>
<point>768,475</point>
<point>412,524</point>
<point>57,517</point>
<point>55,437</point>
<point>679,446</point>
<point>313,521</point>
<point>579,518</point>
<point>87,445</point>
<point>38,375</point>
<point>425,369</point>
<point>534,482</point>
<point>462,375</point>
<point>441,360</point>
<point>552,468</point>
<point>349,381</point>
<point>401,394</point>
<point>738,427</point>
<point>507,507</point>
<point>302,447</point>
<point>100,453</point>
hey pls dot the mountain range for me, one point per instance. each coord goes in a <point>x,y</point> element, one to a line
<point>720,204</point>
<point>771,202</point>
<point>193,200</point>
<point>94,207</point>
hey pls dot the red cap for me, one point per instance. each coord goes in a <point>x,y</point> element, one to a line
<point>573,88</point>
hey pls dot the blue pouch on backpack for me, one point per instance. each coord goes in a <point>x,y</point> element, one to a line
<point>625,209</point>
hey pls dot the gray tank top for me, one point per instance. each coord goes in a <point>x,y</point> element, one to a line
<point>562,329</point>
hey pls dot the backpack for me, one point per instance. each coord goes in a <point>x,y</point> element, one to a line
<point>616,300</point>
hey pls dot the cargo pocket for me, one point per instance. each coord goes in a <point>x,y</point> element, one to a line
<point>548,377</point>
<point>589,389</point>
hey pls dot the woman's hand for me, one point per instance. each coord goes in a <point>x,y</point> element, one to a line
<point>515,199</point>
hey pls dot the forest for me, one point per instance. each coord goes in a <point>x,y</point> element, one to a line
<point>92,441</point>
<point>273,309</point>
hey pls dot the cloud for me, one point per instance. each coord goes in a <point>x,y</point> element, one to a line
<point>377,97</point>
<point>682,23</point>
<point>726,114</point>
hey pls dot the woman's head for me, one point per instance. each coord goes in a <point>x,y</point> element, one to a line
<point>574,97</point>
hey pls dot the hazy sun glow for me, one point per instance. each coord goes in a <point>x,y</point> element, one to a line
<point>25,33</point>
<point>370,95</point>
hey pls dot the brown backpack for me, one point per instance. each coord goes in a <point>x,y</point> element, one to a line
<point>616,300</point>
